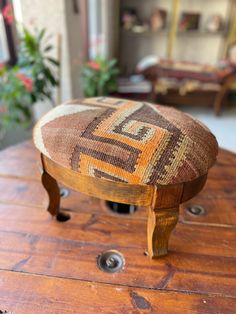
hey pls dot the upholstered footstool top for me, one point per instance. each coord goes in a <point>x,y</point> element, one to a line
<point>129,152</point>
<point>126,141</point>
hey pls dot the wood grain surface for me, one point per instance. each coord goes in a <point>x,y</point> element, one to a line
<point>51,267</point>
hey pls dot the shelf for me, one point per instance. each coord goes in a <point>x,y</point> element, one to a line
<point>179,33</point>
<point>171,41</point>
<point>201,33</point>
<point>145,33</point>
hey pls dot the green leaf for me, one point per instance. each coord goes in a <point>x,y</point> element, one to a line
<point>35,64</point>
<point>53,61</point>
<point>41,34</point>
<point>102,81</point>
<point>48,48</point>
<point>111,63</point>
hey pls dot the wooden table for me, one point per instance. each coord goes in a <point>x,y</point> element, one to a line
<point>50,267</point>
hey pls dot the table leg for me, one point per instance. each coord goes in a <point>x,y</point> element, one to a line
<point>222,93</point>
<point>153,94</point>
<point>219,100</point>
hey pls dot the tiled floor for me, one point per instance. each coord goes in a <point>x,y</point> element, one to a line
<point>224,127</point>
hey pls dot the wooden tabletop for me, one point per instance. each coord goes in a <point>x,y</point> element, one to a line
<point>51,267</point>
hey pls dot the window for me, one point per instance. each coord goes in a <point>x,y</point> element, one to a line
<point>4,51</point>
<point>7,47</point>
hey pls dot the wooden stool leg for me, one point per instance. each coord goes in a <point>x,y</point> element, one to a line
<point>51,186</point>
<point>160,224</point>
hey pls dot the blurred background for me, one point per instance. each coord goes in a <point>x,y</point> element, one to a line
<point>174,52</point>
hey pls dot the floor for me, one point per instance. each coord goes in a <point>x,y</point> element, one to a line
<point>224,127</point>
<point>51,267</point>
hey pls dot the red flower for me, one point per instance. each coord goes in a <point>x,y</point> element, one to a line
<point>94,65</point>
<point>7,13</point>
<point>26,81</point>
<point>2,69</point>
<point>3,109</point>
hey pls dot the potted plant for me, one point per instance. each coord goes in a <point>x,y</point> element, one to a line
<point>99,77</point>
<point>29,81</point>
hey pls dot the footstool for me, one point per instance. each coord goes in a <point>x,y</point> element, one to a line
<point>128,152</point>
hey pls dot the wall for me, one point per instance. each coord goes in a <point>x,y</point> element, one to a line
<point>202,47</point>
<point>188,46</point>
<point>58,18</point>
<point>50,15</point>
<point>75,56</point>
<point>134,46</point>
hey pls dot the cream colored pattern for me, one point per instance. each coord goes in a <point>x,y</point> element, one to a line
<point>133,127</point>
<point>176,161</point>
<point>110,102</point>
<point>59,111</point>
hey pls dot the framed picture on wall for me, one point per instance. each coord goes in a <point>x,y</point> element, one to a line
<point>189,21</point>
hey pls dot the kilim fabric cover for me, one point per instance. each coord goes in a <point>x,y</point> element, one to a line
<point>126,141</point>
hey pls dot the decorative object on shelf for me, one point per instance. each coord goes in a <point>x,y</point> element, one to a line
<point>130,22</point>
<point>129,19</point>
<point>178,37</point>
<point>146,62</point>
<point>140,28</point>
<point>29,81</point>
<point>127,152</point>
<point>214,23</point>
<point>189,21</point>
<point>158,19</point>
<point>100,77</point>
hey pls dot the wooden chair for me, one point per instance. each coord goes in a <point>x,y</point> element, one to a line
<point>159,183</point>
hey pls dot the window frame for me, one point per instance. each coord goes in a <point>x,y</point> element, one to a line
<point>9,36</point>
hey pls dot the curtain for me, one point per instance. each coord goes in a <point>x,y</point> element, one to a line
<point>103,20</point>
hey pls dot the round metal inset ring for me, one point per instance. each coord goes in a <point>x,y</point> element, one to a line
<point>196,210</point>
<point>64,192</point>
<point>110,261</point>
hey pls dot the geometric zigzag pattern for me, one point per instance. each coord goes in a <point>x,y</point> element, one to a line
<point>126,141</point>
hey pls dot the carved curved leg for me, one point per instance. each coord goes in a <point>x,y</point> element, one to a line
<point>160,224</point>
<point>51,186</point>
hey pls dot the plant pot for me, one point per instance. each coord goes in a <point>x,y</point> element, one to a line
<point>19,133</point>
<point>39,109</point>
